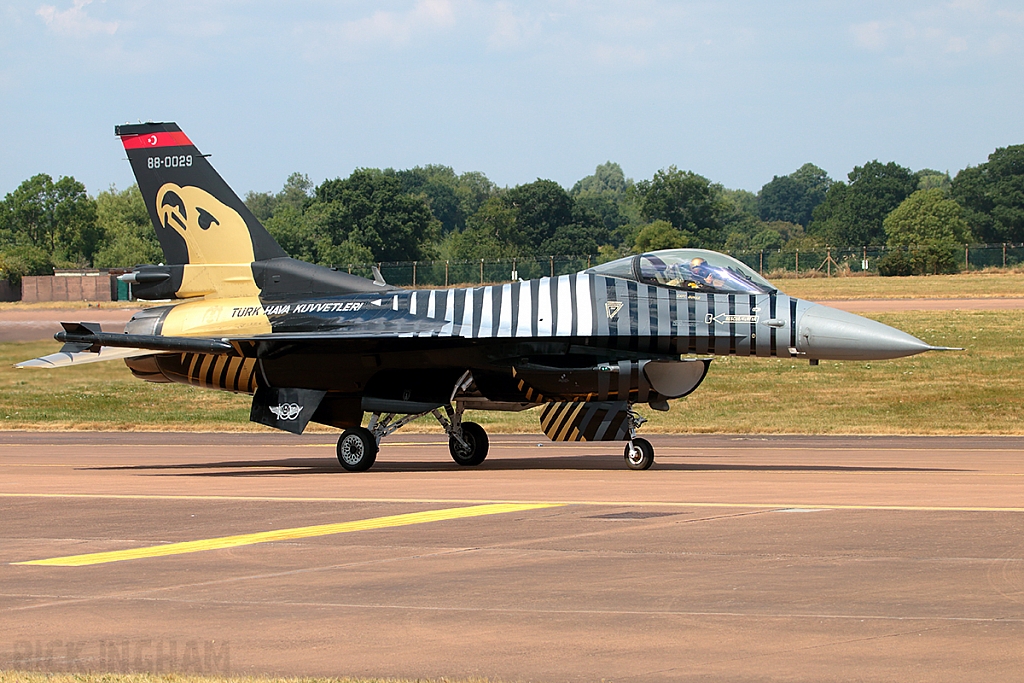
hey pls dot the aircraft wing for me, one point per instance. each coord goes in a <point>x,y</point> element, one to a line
<point>88,343</point>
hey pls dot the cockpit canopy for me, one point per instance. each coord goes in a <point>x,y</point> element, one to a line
<point>694,270</point>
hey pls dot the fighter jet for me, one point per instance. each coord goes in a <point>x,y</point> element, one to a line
<point>311,343</point>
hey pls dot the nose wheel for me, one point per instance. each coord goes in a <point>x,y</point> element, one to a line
<point>639,454</point>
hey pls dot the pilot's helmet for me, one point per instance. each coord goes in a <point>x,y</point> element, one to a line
<point>697,262</point>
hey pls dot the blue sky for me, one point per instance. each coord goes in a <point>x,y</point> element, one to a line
<point>738,91</point>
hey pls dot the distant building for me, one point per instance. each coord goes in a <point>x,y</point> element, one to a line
<point>78,284</point>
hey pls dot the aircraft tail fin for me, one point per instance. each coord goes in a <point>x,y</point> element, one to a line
<point>198,218</point>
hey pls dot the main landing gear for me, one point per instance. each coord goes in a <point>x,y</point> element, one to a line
<point>357,449</point>
<point>467,441</point>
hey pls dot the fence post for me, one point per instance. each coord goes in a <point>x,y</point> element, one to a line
<point>798,262</point>
<point>515,271</point>
<point>761,266</point>
<point>828,261</point>
<point>481,271</point>
<point>588,256</point>
<point>1004,254</point>
<point>414,273</point>
<point>552,265</point>
<point>967,258</point>
<point>446,273</point>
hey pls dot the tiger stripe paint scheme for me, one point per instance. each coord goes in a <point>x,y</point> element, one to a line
<point>608,312</point>
<point>313,343</point>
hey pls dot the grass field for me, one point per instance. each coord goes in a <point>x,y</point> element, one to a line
<point>982,285</point>
<point>977,391</point>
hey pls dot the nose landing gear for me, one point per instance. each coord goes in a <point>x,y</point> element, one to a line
<point>639,453</point>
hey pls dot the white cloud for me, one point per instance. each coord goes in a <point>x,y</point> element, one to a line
<point>870,35</point>
<point>958,28</point>
<point>956,44</point>
<point>74,21</point>
<point>398,28</point>
<point>509,29</point>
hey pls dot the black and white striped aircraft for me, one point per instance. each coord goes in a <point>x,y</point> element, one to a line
<point>314,344</point>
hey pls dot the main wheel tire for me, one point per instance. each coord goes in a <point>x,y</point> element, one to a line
<point>476,438</point>
<point>639,454</point>
<point>357,449</point>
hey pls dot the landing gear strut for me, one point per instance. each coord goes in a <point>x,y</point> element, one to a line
<point>639,453</point>
<point>467,441</point>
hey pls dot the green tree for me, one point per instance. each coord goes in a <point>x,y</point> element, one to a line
<point>740,223</point>
<point>294,194</point>
<point>992,195</point>
<point>538,218</point>
<point>687,201</point>
<point>793,198</point>
<point>294,231</point>
<point>370,210</point>
<point>17,262</point>
<point>931,227</point>
<point>852,213</point>
<point>452,198</point>
<point>57,217</point>
<point>660,235</point>
<point>261,204</point>
<point>607,178</point>
<point>542,206</point>
<point>490,233</point>
<point>929,179</point>
<point>437,185</point>
<point>606,194</point>
<point>474,190</point>
<point>128,235</point>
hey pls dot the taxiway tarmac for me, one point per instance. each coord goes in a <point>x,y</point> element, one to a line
<point>734,558</point>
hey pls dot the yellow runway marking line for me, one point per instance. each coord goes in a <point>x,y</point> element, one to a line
<point>536,504</point>
<point>286,534</point>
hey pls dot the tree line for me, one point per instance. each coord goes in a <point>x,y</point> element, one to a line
<point>433,213</point>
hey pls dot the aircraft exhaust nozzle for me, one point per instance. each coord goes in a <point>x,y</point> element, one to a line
<point>830,334</point>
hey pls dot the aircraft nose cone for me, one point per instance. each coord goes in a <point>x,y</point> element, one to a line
<point>831,334</point>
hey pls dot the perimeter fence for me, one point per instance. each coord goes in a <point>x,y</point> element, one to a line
<point>824,262</point>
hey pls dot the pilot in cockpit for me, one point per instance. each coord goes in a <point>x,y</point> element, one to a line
<point>704,272</point>
<point>693,274</point>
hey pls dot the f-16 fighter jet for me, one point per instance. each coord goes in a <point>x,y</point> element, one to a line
<point>311,343</point>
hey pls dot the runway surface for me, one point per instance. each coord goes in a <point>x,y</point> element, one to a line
<point>38,324</point>
<point>734,558</point>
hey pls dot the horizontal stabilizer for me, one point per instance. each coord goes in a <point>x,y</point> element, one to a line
<point>63,358</point>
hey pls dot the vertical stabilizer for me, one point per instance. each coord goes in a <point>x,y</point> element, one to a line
<point>198,218</point>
